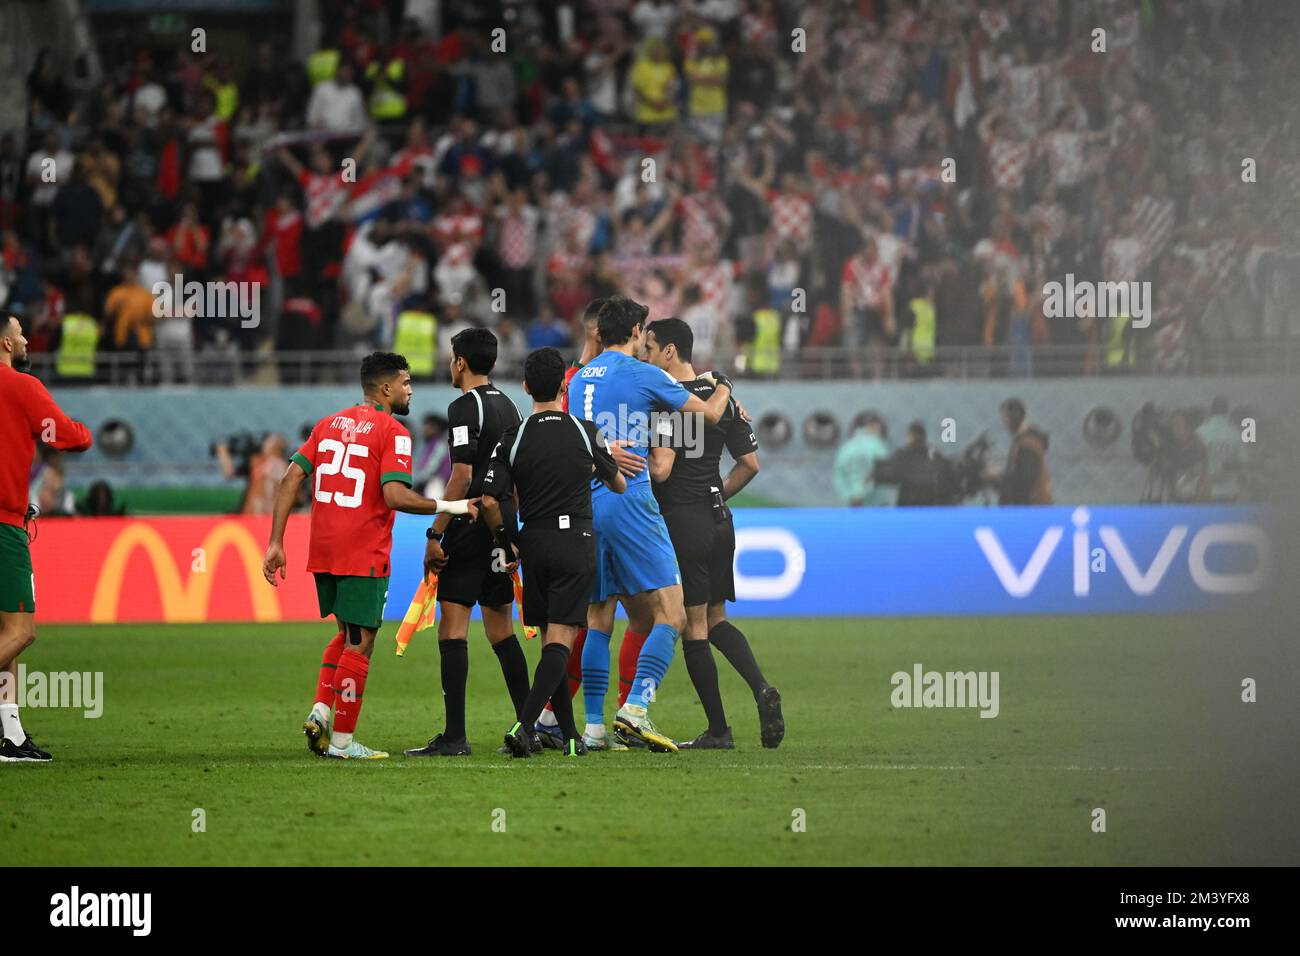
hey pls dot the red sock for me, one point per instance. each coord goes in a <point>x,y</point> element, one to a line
<point>575,664</point>
<point>628,653</point>
<point>328,662</point>
<point>349,683</point>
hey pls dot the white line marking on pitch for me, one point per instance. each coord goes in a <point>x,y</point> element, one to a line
<point>881,766</point>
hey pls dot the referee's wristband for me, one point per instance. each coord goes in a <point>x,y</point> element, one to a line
<point>432,535</point>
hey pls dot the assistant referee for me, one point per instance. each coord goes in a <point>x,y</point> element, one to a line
<point>548,460</point>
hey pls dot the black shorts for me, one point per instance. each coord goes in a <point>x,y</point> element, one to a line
<point>706,548</point>
<point>468,578</point>
<point>558,568</point>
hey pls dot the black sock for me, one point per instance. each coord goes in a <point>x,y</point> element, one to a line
<point>455,672</point>
<point>704,675</point>
<point>562,707</point>
<point>728,639</point>
<point>550,671</point>
<point>514,668</point>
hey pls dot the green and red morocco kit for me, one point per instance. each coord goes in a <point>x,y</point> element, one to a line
<point>27,413</point>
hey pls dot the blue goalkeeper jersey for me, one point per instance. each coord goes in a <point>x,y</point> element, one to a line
<point>621,394</point>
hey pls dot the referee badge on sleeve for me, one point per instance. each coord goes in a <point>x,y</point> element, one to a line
<point>460,435</point>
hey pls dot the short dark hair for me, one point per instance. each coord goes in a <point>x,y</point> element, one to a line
<point>674,331</point>
<point>916,430</point>
<point>1014,409</point>
<point>379,367</point>
<point>592,310</point>
<point>617,318</point>
<point>478,347</point>
<point>543,373</point>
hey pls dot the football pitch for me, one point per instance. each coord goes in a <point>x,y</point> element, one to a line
<point>1137,717</point>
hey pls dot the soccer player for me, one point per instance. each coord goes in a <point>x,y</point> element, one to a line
<point>549,459</point>
<point>27,412</point>
<point>361,460</point>
<point>692,496</point>
<point>470,570</point>
<point>639,616</point>
<point>634,554</point>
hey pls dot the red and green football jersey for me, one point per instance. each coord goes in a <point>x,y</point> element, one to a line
<point>348,458</point>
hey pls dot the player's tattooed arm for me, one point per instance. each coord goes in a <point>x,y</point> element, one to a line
<point>285,495</point>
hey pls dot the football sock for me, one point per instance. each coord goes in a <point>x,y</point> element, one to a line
<point>564,709</point>
<point>349,685</point>
<point>325,682</point>
<point>574,678</point>
<point>547,718</point>
<point>628,653</point>
<point>595,675</point>
<point>652,665</point>
<point>704,675</point>
<point>728,639</point>
<point>575,661</point>
<point>455,672</point>
<point>514,668</point>
<point>546,681</point>
<point>13,727</point>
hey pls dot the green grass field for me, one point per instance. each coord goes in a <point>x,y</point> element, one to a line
<point>1125,714</point>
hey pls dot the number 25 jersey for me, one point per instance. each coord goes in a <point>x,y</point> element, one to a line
<point>348,457</point>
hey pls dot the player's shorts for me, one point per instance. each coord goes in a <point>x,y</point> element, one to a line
<point>17,583</point>
<point>354,599</point>
<point>633,550</point>
<point>468,578</point>
<point>705,543</point>
<point>558,567</point>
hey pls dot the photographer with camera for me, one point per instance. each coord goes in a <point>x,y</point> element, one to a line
<point>262,464</point>
<point>1025,479</point>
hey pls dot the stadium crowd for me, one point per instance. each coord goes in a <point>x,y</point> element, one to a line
<point>785,176</point>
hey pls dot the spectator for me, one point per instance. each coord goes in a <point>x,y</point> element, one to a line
<point>337,105</point>
<point>855,462</point>
<point>432,465</point>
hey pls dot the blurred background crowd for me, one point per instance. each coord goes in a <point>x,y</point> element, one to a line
<point>829,188</point>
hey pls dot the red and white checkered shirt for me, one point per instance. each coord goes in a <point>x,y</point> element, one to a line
<point>715,284</point>
<point>792,217</point>
<point>1066,152</point>
<point>517,239</point>
<point>1007,162</point>
<point>464,225</point>
<point>702,216</point>
<point>867,285</point>
<point>325,196</point>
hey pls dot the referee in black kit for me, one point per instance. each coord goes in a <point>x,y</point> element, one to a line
<point>549,459</point>
<point>692,496</point>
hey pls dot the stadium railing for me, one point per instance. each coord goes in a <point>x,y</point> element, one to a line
<point>965,362</point>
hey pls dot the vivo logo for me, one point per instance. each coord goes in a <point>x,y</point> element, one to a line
<point>769,587</point>
<point>1142,582</point>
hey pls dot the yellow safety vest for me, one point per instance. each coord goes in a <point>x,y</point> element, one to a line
<point>417,338</point>
<point>765,350</point>
<point>322,65</point>
<point>76,358</point>
<point>386,103</point>
<point>1115,350</point>
<point>923,330</point>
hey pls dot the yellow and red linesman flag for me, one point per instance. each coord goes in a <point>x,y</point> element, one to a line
<point>529,631</point>
<point>422,613</point>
